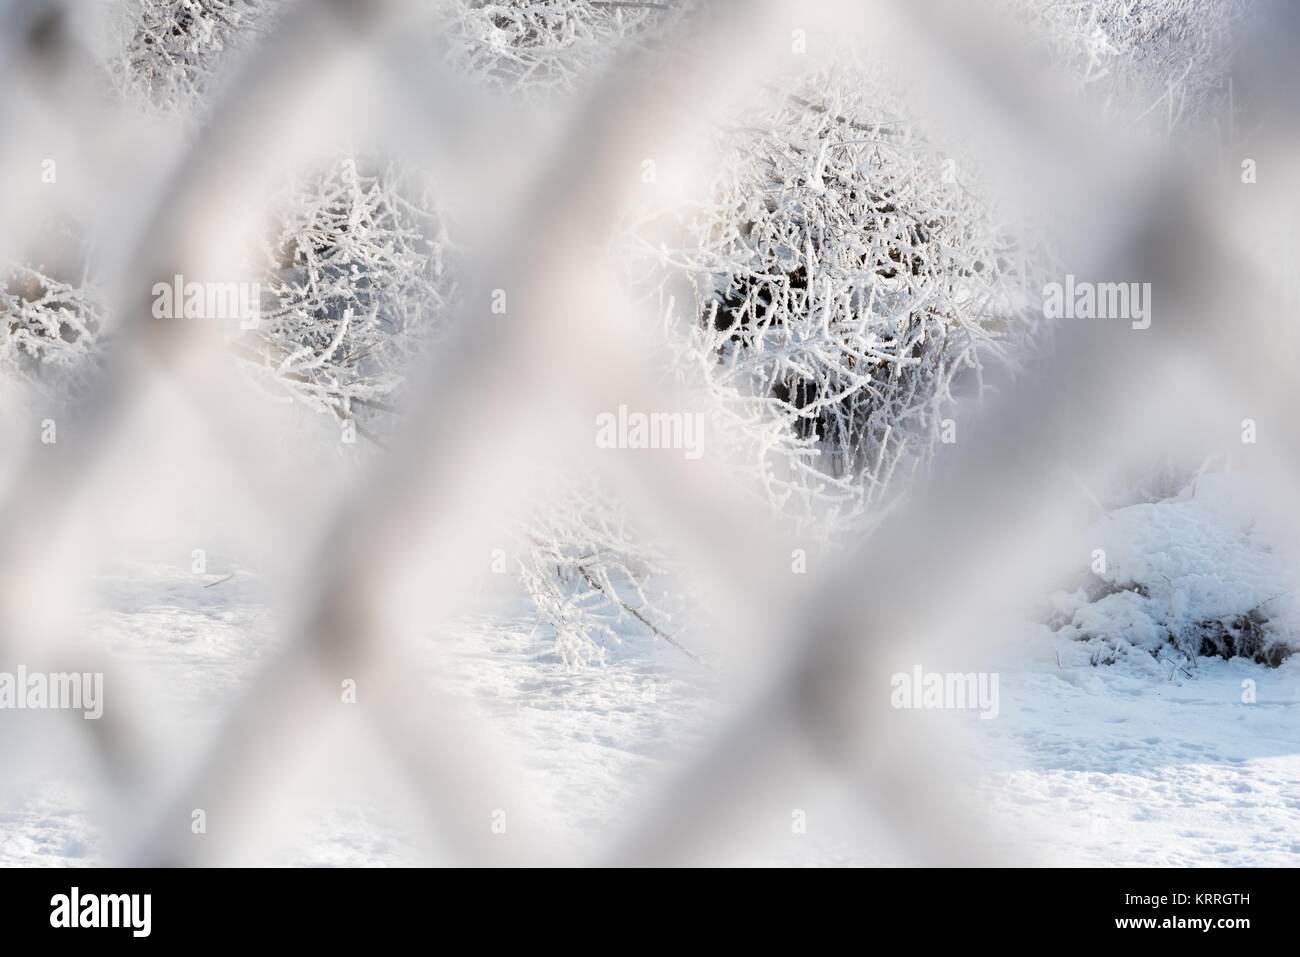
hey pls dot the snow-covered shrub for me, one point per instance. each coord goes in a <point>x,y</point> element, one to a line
<point>1194,575</point>
<point>52,318</point>
<point>590,571</point>
<point>174,50</point>
<point>536,49</point>
<point>1164,63</point>
<point>355,285</point>
<point>845,279</point>
<point>850,280</point>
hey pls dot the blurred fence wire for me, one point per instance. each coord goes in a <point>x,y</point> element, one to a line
<point>981,533</point>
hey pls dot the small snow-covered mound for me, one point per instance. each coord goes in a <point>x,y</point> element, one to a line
<point>1205,573</point>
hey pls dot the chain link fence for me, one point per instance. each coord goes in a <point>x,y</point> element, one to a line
<point>982,532</point>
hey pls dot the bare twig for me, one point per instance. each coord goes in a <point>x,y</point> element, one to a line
<point>658,633</point>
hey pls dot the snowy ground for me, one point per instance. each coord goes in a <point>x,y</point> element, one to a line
<point>1130,763</point>
<point>1099,766</point>
<point>584,739</point>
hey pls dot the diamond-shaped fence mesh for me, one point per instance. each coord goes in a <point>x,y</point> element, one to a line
<point>367,558</point>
